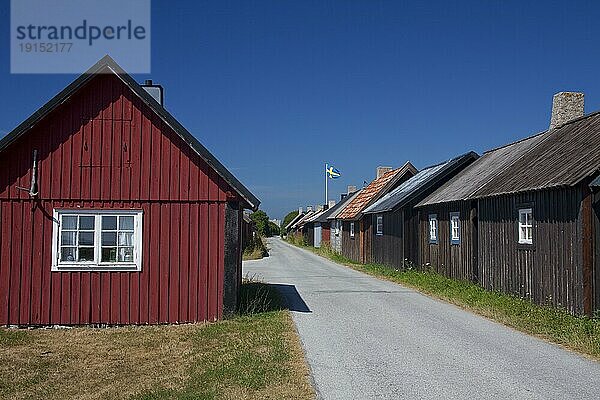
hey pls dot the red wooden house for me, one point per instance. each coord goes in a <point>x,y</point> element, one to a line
<point>113,213</point>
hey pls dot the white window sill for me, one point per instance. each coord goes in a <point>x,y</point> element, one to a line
<point>96,268</point>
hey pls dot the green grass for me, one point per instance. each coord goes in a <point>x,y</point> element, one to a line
<point>256,249</point>
<point>254,355</point>
<point>13,337</point>
<point>578,333</point>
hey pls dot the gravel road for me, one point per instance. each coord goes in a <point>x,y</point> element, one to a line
<point>365,338</point>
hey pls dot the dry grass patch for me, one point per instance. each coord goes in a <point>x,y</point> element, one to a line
<point>88,363</point>
<point>252,356</point>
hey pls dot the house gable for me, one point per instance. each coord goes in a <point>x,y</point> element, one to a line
<point>104,138</point>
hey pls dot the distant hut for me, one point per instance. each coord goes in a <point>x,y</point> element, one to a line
<point>395,221</point>
<point>335,224</point>
<point>356,240</point>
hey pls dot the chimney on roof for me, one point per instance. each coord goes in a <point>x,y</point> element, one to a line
<point>308,208</point>
<point>565,107</point>
<point>299,210</point>
<point>382,171</point>
<point>320,207</point>
<point>330,204</point>
<point>351,189</point>
<point>154,90</point>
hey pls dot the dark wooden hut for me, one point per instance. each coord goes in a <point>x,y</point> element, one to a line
<point>395,221</point>
<point>528,217</point>
<point>356,235</point>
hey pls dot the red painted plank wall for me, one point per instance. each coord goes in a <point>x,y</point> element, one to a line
<point>105,149</point>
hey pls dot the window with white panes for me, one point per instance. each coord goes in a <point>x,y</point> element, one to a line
<point>526,226</point>
<point>351,229</point>
<point>455,228</point>
<point>380,225</point>
<point>102,239</point>
<point>433,228</point>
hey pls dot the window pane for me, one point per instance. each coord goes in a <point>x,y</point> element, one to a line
<point>86,222</point>
<point>126,223</point>
<point>109,254</point>
<point>86,238</point>
<point>86,254</point>
<point>68,238</point>
<point>109,223</point>
<point>126,254</point>
<point>69,222</point>
<point>67,254</point>
<point>109,238</point>
<point>125,238</point>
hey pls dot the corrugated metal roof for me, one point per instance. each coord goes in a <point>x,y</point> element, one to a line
<point>464,185</point>
<point>343,205</point>
<point>422,181</point>
<point>565,157</point>
<point>375,190</point>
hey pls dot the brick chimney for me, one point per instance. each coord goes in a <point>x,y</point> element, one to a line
<point>382,171</point>
<point>351,189</point>
<point>565,107</point>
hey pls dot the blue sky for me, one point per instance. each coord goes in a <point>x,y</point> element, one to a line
<point>277,88</point>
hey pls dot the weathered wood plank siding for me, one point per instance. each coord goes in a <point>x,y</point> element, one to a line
<point>351,246</point>
<point>548,272</point>
<point>388,248</point>
<point>452,260</point>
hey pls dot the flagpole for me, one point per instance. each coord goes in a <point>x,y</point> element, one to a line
<point>326,182</point>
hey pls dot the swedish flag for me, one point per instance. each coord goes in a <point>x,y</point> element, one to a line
<point>332,172</point>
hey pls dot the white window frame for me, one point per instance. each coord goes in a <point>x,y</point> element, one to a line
<point>379,222</point>
<point>97,264</point>
<point>454,227</point>
<point>433,228</point>
<point>525,225</point>
<point>351,229</point>
<point>337,227</point>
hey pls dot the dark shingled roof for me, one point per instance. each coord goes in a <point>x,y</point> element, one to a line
<point>481,172</point>
<point>559,157</point>
<point>108,65</point>
<point>323,217</point>
<point>565,157</point>
<point>424,181</point>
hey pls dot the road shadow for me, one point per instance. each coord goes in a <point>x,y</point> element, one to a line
<point>260,297</point>
<point>291,299</point>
